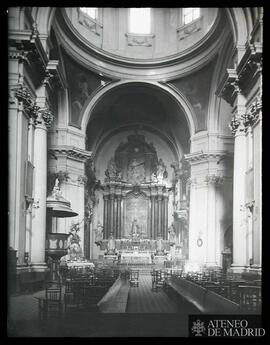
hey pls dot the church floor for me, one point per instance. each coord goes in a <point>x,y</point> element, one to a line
<point>148,314</point>
<point>143,300</point>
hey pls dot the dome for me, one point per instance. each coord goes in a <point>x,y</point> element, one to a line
<point>171,32</point>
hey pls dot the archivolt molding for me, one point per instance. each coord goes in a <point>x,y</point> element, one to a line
<point>143,127</point>
<point>176,96</point>
<point>239,25</point>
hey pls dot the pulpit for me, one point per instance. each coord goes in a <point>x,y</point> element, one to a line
<point>56,248</point>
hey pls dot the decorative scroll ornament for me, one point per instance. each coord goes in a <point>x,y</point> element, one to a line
<point>112,172</point>
<point>47,78</point>
<point>82,179</point>
<point>161,172</point>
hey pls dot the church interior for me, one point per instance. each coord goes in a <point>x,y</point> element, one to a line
<point>134,168</point>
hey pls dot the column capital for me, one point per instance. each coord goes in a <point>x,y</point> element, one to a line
<point>24,97</point>
<point>237,124</point>
<point>44,117</point>
<point>254,112</point>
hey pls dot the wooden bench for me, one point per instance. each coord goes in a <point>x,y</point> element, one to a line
<point>204,300</point>
<point>115,300</point>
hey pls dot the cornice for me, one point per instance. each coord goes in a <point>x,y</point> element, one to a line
<point>70,152</point>
<point>29,47</point>
<point>199,157</point>
<point>250,65</point>
<point>229,86</point>
<point>119,68</point>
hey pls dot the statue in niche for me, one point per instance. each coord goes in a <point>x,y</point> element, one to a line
<point>172,234</point>
<point>99,233</point>
<point>111,245</point>
<point>135,229</point>
<point>112,173</point>
<point>161,171</point>
<point>136,171</point>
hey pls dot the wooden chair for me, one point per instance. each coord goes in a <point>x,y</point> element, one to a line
<point>51,306</point>
<point>70,304</point>
<point>134,278</point>
<point>158,279</point>
<point>250,298</point>
<point>223,290</point>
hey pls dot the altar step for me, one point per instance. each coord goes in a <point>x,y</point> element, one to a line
<point>145,269</point>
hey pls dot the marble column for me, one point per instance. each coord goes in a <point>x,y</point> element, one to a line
<point>152,231</point>
<point>111,228</point>
<point>148,230</point>
<point>31,131</point>
<point>239,210</point>
<point>257,210</point>
<point>166,199</point>
<point>105,219</point>
<point>159,200</point>
<point>155,217</point>
<point>115,216</point>
<point>118,227</point>
<point>40,193</point>
<point>122,216</point>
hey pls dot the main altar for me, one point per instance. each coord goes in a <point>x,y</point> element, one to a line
<point>135,205</point>
<point>135,188</point>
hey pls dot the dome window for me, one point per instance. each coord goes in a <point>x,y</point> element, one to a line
<point>90,11</point>
<point>140,20</point>
<point>190,14</point>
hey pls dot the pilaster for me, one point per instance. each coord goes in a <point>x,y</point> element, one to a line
<point>206,174</point>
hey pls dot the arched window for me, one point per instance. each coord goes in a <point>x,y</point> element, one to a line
<point>90,11</point>
<point>139,20</point>
<point>190,14</point>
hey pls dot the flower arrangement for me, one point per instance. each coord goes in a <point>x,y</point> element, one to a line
<point>74,247</point>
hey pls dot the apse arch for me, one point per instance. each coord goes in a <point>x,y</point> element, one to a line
<point>176,96</point>
<point>147,128</point>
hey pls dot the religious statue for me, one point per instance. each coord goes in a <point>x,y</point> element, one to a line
<point>159,246</point>
<point>99,233</point>
<point>135,229</point>
<point>172,235</point>
<point>161,171</point>
<point>56,190</point>
<point>154,178</point>
<point>111,244</point>
<point>136,171</point>
<point>112,172</point>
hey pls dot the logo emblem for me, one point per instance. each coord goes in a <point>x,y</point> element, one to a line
<point>198,328</point>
